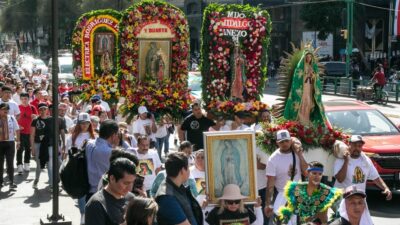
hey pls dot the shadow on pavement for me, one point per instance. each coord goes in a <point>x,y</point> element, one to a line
<point>379,207</point>
<point>6,194</point>
<point>39,196</point>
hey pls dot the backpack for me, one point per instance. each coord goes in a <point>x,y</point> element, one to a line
<point>74,173</point>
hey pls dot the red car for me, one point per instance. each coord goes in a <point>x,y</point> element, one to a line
<point>381,136</point>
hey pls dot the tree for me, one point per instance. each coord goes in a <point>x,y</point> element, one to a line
<point>322,17</point>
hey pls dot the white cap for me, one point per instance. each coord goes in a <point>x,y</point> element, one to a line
<point>83,117</point>
<point>142,109</point>
<point>63,82</point>
<point>44,93</point>
<point>282,135</point>
<point>356,138</point>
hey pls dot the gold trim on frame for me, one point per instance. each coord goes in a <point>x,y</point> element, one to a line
<point>209,137</point>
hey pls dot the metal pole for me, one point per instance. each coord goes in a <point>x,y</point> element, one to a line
<point>349,44</point>
<point>54,55</point>
<point>390,35</point>
<point>55,218</point>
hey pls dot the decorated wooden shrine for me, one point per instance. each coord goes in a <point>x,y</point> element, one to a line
<point>95,54</point>
<point>235,40</point>
<point>154,59</point>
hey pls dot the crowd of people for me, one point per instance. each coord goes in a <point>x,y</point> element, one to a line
<point>135,179</point>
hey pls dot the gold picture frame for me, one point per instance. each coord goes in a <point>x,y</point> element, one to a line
<point>230,158</point>
<point>104,42</point>
<point>153,55</point>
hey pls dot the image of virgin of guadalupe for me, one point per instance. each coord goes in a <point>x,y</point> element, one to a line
<point>150,60</point>
<point>304,103</point>
<point>230,164</point>
<point>106,64</point>
<point>238,77</point>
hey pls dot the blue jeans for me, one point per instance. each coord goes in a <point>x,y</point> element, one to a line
<point>162,142</point>
<point>81,204</point>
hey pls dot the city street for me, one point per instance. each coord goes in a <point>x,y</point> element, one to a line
<point>27,206</point>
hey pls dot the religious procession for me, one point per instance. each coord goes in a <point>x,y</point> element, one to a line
<point>129,143</point>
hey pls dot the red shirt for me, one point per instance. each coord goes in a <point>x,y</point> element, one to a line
<point>35,103</point>
<point>25,118</point>
<point>380,78</point>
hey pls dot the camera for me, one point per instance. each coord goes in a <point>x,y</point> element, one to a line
<point>149,115</point>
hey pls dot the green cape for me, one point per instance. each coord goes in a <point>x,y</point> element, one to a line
<point>293,102</point>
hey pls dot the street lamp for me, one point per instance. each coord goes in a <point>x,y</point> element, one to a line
<point>55,218</point>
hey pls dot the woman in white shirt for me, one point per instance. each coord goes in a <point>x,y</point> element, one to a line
<point>81,133</point>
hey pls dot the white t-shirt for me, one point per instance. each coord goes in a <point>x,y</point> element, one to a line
<point>68,122</point>
<point>228,126</point>
<point>261,177</point>
<point>200,180</point>
<point>161,131</point>
<point>12,127</point>
<point>139,127</point>
<point>105,106</point>
<point>14,108</point>
<point>16,98</point>
<point>78,141</point>
<point>148,163</point>
<point>280,165</point>
<point>358,172</point>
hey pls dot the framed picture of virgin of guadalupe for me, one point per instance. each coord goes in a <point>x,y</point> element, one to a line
<point>154,59</point>
<point>230,159</point>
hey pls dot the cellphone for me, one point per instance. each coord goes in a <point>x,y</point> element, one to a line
<point>138,182</point>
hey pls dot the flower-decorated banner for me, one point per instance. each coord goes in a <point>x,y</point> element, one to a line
<point>154,58</point>
<point>234,56</point>
<point>94,45</point>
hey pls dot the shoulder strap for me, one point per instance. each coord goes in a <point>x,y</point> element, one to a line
<point>84,144</point>
<point>294,166</point>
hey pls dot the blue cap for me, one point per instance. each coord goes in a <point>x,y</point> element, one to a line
<point>95,97</point>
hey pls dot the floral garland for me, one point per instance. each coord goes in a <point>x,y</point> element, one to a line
<point>306,206</point>
<point>167,96</point>
<point>310,137</point>
<point>106,82</point>
<point>216,53</point>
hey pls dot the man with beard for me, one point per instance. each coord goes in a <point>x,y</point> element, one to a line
<point>309,201</point>
<point>356,168</point>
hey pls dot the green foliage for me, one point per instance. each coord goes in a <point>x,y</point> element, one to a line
<point>323,17</point>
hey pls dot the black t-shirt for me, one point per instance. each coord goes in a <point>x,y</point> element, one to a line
<point>227,217</point>
<point>103,208</point>
<point>44,128</point>
<point>195,128</point>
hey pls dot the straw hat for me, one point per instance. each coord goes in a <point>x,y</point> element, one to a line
<point>232,192</point>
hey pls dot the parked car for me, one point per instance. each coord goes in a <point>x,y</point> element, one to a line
<point>194,84</point>
<point>381,136</point>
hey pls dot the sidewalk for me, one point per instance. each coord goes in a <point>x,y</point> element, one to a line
<point>26,206</point>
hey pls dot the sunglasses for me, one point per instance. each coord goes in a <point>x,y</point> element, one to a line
<point>231,202</point>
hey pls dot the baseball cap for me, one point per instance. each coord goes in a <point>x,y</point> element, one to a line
<point>282,135</point>
<point>63,82</point>
<point>44,93</point>
<point>83,117</point>
<point>356,138</point>
<point>95,98</point>
<point>42,104</point>
<point>353,190</point>
<point>142,109</point>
